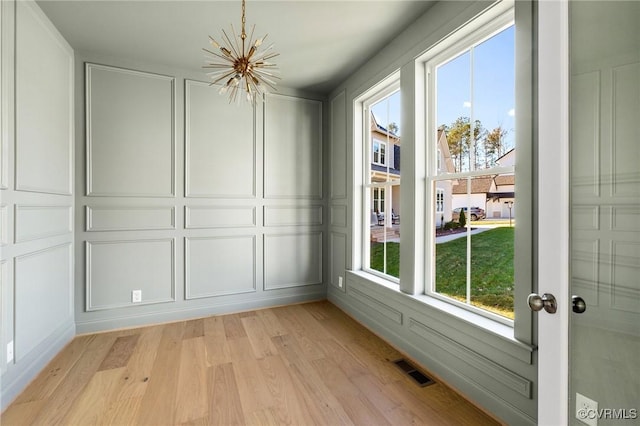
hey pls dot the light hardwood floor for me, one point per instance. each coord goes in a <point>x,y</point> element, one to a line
<point>298,365</point>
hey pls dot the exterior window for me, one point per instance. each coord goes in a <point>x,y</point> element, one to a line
<point>381,186</point>
<point>471,175</point>
<point>379,153</point>
<point>439,200</point>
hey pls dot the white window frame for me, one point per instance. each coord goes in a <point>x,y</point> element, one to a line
<point>385,88</point>
<point>466,38</point>
<point>381,152</point>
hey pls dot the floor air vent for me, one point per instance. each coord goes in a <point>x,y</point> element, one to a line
<point>416,375</point>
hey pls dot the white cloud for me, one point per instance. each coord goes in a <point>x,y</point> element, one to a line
<point>511,112</point>
<point>466,104</point>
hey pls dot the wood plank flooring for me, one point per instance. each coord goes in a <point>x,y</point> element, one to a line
<point>307,364</point>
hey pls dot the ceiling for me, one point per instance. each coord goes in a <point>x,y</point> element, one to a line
<point>320,42</point>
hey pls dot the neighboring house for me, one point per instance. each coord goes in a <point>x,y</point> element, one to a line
<point>495,194</point>
<point>385,165</point>
<point>444,188</point>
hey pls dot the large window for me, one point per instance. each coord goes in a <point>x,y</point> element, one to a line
<point>471,153</point>
<point>461,212</point>
<point>381,183</point>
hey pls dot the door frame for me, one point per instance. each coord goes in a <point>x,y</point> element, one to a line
<point>553,209</point>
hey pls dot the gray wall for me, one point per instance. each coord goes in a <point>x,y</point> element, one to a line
<point>493,365</point>
<point>36,207</point>
<point>205,207</point>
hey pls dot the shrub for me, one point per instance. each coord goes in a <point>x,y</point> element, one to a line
<point>462,219</point>
<point>451,225</point>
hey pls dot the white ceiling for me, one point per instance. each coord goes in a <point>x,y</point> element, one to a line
<point>320,42</point>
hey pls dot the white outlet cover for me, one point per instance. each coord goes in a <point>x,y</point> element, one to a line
<point>9,352</point>
<point>136,296</point>
<point>340,282</point>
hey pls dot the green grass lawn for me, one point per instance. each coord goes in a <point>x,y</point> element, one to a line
<point>491,268</point>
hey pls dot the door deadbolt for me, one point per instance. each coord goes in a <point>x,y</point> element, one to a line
<point>546,302</point>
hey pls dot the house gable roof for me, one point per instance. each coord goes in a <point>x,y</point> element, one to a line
<point>502,180</point>
<point>479,185</point>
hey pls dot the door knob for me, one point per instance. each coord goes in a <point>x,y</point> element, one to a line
<point>546,301</point>
<point>578,304</point>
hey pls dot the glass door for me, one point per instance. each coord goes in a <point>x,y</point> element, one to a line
<point>604,107</point>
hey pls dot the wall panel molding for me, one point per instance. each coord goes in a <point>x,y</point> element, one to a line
<point>130,118</point>
<point>625,269</point>
<point>586,218</point>
<point>115,268</point>
<point>375,304</point>
<point>43,153</point>
<point>208,217</point>
<point>219,266</point>
<point>4,225</point>
<point>33,222</point>
<point>292,260</point>
<point>292,215</point>
<point>7,69</point>
<point>586,94</point>
<point>339,216</point>
<point>492,370</point>
<point>6,312</point>
<point>129,218</point>
<point>42,281</point>
<point>339,146</point>
<point>292,148</point>
<point>625,107</point>
<point>221,140</point>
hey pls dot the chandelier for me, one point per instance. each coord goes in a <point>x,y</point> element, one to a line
<point>241,65</point>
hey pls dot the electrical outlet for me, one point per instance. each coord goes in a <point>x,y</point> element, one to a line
<point>340,284</point>
<point>10,352</point>
<point>586,410</point>
<point>136,296</point>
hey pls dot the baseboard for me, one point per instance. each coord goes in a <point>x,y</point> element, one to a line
<point>18,377</point>
<point>186,313</point>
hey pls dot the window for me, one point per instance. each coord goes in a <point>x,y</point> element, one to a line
<point>471,171</point>
<point>379,152</point>
<point>381,181</point>
<point>439,200</point>
<point>378,200</point>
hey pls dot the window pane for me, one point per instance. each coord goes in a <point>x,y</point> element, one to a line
<point>453,111</point>
<point>384,231</point>
<point>494,96</point>
<point>475,215</point>
<point>492,269</point>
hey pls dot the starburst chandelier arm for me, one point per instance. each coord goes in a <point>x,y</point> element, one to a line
<point>222,77</point>
<point>230,44</point>
<point>228,59</point>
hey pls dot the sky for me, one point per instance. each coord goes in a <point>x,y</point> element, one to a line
<point>493,96</point>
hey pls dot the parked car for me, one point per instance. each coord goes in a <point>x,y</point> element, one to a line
<point>476,213</point>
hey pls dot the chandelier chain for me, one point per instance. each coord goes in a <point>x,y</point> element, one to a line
<point>244,34</point>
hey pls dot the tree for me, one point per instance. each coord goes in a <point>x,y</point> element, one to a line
<point>393,128</point>
<point>464,150</point>
<point>494,147</point>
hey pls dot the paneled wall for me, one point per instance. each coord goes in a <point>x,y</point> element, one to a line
<point>201,206</point>
<point>36,206</point>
